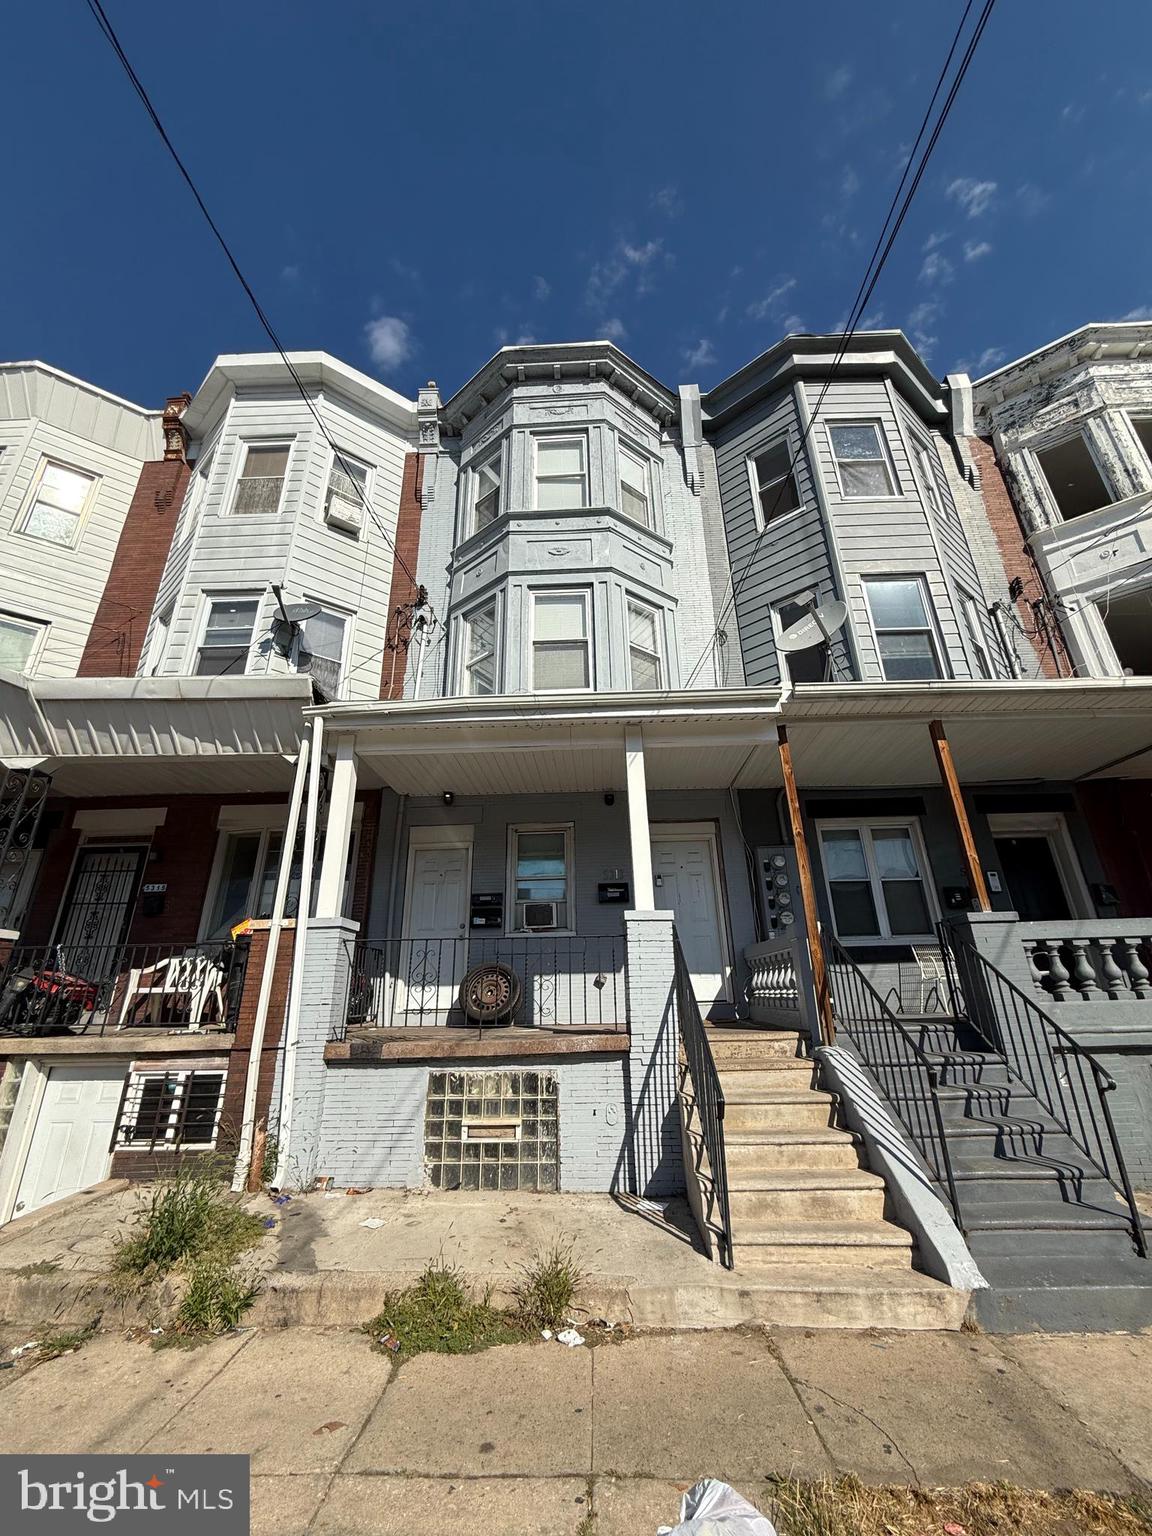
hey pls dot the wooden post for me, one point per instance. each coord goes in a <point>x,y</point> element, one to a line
<point>959,814</point>
<point>807,893</point>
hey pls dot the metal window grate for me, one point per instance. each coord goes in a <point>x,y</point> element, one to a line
<point>171,1109</point>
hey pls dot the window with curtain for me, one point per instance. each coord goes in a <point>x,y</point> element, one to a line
<point>249,864</point>
<point>904,631</point>
<point>645,667</point>
<point>480,650</point>
<point>560,643</point>
<point>320,650</point>
<point>861,460</point>
<point>561,473</point>
<point>635,487</point>
<point>227,637</point>
<point>56,504</point>
<point>19,639</point>
<point>541,871</point>
<point>261,480</point>
<point>486,494</point>
<point>347,482</point>
<point>775,483</point>
<point>875,879</point>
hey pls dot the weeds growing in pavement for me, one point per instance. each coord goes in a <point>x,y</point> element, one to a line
<point>548,1288</point>
<point>67,1342</point>
<point>191,1215</point>
<point>438,1316</point>
<point>217,1297</point>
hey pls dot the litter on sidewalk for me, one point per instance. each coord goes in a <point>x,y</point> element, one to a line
<point>713,1508</point>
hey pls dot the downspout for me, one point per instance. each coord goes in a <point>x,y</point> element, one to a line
<point>299,952</point>
<point>276,924</point>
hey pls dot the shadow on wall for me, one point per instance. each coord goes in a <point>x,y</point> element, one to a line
<point>651,1162</point>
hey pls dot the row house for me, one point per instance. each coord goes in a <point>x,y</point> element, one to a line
<point>610,729</point>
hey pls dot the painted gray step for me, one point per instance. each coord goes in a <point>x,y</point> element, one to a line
<point>1043,1216</point>
<point>1061,1294</point>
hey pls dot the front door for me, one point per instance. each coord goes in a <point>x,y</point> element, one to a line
<point>1032,877</point>
<point>97,911</point>
<point>71,1143</point>
<point>684,872</point>
<point>434,953</point>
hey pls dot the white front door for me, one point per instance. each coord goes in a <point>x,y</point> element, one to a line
<point>71,1143</point>
<point>434,953</point>
<point>684,871</point>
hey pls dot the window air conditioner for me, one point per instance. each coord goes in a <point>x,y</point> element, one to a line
<point>540,914</point>
<point>342,512</point>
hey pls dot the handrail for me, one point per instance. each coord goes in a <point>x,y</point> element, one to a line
<point>907,1075</point>
<point>1058,1075</point>
<point>708,1094</point>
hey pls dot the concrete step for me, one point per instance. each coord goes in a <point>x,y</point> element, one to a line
<point>730,1046</point>
<point>1059,1293</point>
<point>867,1243</point>
<point>811,1147</point>
<point>748,1077</point>
<point>765,1110</point>
<point>807,1195</point>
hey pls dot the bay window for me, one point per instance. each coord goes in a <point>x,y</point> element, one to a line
<point>320,650</point>
<point>905,637</point>
<point>57,502</point>
<point>561,473</point>
<point>774,483</point>
<point>486,494</point>
<point>635,487</point>
<point>261,483</point>
<point>875,874</point>
<point>862,462</point>
<point>561,649</point>
<point>480,650</point>
<point>227,636</point>
<point>645,667</point>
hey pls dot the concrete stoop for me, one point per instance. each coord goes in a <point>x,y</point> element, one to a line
<point>809,1233</point>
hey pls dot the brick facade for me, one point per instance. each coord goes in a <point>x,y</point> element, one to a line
<point>117,636</point>
<point>403,592</point>
<point>1018,562</point>
<point>1119,814</point>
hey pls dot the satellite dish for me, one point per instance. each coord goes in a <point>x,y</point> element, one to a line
<point>820,624</point>
<point>300,613</point>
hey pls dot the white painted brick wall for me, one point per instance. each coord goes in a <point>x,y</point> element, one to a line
<point>654,1163</point>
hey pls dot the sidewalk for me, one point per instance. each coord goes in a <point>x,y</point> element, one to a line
<point>534,1438</point>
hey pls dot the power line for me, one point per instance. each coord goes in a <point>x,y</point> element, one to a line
<point>880,253</point>
<point>109,32</point>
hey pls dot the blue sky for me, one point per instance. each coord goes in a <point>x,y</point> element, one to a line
<point>410,187</point>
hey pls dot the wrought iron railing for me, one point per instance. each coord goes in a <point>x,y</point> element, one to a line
<point>562,982</point>
<point>708,1101</point>
<point>1065,1079</point>
<point>908,1077</point>
<point>94,989</point>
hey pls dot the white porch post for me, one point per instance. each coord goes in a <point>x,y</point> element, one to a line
<point>643,891</point>
<point>338,830</point>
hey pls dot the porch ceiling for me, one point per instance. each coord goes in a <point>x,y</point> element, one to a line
<point>842,736</point>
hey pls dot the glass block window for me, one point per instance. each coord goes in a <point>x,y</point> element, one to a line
<point>492,1130</point>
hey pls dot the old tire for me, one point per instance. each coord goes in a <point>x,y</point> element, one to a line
<point>490,993</point>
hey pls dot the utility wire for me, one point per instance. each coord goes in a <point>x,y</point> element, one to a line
<point>880,253</point>
<point>109,32</point>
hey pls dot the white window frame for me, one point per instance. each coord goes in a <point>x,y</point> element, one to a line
<point>778,628</point>
<point>197,494</point>
<point>581,439</point>
<point>1135,416</point>
<point>482,462</point>
<point>625,450</point>
<point>345,639</point>
<point>657,617</point>
<point>40,629</point>
<point>784,442</point>
<point>865,826</point>
<point>885,452</point>
<point>207,602</point>
<point>938,648</point>
<point>983,669</point>
<point>247,444</point>
<point>133,1097</point>
<point>569,829</point>
<point>465,633</point>
<point>30,497</point>
<point>585,597</point>
<point>159,637</point>
<point>926,458</point>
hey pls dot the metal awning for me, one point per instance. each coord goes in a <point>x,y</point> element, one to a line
<point>154,735</point>
<point>843,735</point>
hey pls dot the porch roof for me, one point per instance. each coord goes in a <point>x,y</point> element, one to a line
<point>842,735</point>
<point>150,735</point>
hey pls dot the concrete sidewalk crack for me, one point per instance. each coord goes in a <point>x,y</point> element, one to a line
<point>393,1372</point>
<point>244,1343</point>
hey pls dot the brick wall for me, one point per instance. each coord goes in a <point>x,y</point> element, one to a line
<point>232,1114</point>
<point>1005,525</point>
<point>118,630</point>
<point>1119,815</point>
<point>403,591</point>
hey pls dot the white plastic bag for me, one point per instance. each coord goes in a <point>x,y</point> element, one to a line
<point>712,1508</point>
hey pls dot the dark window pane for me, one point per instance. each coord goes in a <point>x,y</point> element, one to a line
<point>907,908</point>
<point>908,658</point>
<point>854,908</point>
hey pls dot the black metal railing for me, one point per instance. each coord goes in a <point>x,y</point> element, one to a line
<point>561,982</point>
<point>169,1110</point>
<point>94,989</point>
<point>908,1077</point>
<point>1065,1079</point>
<point>708,1101</point>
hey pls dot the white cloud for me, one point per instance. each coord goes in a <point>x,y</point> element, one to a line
<point>936,268</point>
<point>290,274</point>
<point>389,341</point>
<point>507,338</point>
<point>849,183</point>
<point>613,329</point>
<point>974,249</point>
<point>541,288</point>
<point>873,321</point>
<point>626,265</point>
<point>668,201</point>
<point>1142,312</point>
<point>702,355</point>
<point>641,255</point>
<point>975,197</point>
<point>791,325</point>
<point>989,358</point>
<point>937,237</point>
<point>1072,113</point>
<point>920,322</point>
<point>837,82</point>
<point>770,303</point>
<point>1031,198</point>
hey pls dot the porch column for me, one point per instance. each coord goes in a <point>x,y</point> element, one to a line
<point>338,830</point>
<point>959,814</point>
<point>807,891</point>
<point>643,890</point>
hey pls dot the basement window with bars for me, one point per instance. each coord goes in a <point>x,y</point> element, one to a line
<point>165,1110</point>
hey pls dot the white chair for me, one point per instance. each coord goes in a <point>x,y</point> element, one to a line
<point>193,977</point>
<point>933,977</point>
